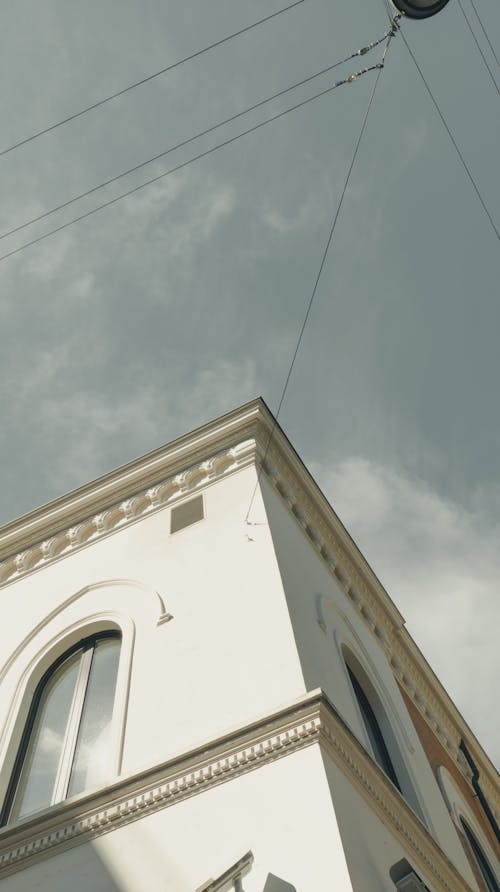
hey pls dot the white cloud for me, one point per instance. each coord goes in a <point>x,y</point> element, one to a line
<point>98,421</point>
<point>297,219</point>
<point>218,387</point>
<point>145,206</point>
<point>212,207</point>
<point>143,418</point>
<point>47,261</point>
<point>184,210</point>
<point>40,371</point>
<point>440,562</point>
<point>50,742</point>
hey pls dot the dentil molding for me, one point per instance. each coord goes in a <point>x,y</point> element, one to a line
<point>145,502</point>
<point>225,446</point>
<point>361,587</point>
<point>312,720</point>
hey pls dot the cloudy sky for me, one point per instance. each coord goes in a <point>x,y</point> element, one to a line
<point>185,300</point>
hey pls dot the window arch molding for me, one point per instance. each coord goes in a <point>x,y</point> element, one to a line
<point>154,600</point>
<point>391,711</point>
<point>130,602</point>
<point>38,666</point>
<point>346,638</point>
<point>461,813</point>
<point>484,864</point>
<point>389,722</point>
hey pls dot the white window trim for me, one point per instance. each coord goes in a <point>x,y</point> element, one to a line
<point>348,639</point>
<point>73,724</point>
<point>41,662</point>
<point>459,808</point>
<point>404,748</point>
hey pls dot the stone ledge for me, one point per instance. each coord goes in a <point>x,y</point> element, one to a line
<point>196,460</point>
<point>312,720</point>
<point>353,575</point>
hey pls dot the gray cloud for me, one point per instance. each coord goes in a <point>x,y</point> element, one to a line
<point>441,564</point>
<point>174,305</point>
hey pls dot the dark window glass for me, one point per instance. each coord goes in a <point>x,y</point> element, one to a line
<point>43,752</point>
<point>483,864</point>
<point>66,743</point>
<point>374,731</point>
<point>92,753</point>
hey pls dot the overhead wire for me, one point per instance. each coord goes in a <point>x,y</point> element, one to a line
<point>452,138</point>
<point>478,45</point>
<point>347,80</point>
<point>183,143</point>
<point>148,78</point>
<point>483,29</point>
<point>320,270</point>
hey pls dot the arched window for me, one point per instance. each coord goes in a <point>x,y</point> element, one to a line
<point>481,860</point>
<point>373,730</point>
<point>65,747</point>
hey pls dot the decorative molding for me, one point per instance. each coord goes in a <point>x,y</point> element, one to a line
<point>225,436</point>
<point>33,661</point>
<point>130,510</point>
<point>164,615</point>
<point>214,451</point>
<point>459,808</point>
<point>311,720</point>
<point>85,817</point>
<point>340,744</point>
<point>356,579</point>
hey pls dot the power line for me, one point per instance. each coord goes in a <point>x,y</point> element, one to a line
<point>320,270</point>
<point>146,79</point>
<point>190,139</point>
<point>485,32</point>
<point>479,47</point>
<point>452,138</point>
<point>349,79</point>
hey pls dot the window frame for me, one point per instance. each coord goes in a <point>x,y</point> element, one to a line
<point>371,724</point>
<point>374,733</point>
<point>372,667</point>
<point>63,776</point>
<point>480,859</point>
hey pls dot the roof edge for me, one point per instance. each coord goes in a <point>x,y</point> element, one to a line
<point>127,479</point>
<point>266,444</point>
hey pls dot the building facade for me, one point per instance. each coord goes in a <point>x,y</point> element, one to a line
<point>199,696</point>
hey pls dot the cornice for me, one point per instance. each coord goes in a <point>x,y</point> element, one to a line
<point>165,492</point>
<point>128,481</point>
<point>70,823</point>
<point>339,743</point>
<point>308,721</point>
<point>225,446</point>
<point>351,572</point>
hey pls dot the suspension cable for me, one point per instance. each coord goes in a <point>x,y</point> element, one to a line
<point>146,79</point>
<point>360,52</point>
<point>329,240</point>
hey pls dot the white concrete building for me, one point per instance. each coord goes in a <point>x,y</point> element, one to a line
<point>190,701</point>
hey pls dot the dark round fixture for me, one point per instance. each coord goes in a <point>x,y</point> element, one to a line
<point>419,9</point>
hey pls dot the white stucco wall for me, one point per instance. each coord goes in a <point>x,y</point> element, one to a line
<point>307,582</point>
<point>281,811</point>
<point>226,657</point>
<point>236,649</point>
<point>371,848</point>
